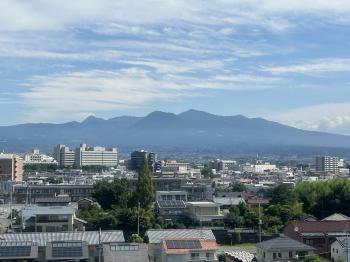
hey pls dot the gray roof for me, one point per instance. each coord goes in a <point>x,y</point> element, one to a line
<point>229,201</point>
<point>42,238</point>
<point>283,243</point>
<point>137,254</point>
<point>342,241</point>
<point>336,217</point>
<point>65,199</point>
<point>156,235</point>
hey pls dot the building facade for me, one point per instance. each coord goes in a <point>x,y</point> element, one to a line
<point>327,164</point>
<point>11,168</point>
<point>96,156</point>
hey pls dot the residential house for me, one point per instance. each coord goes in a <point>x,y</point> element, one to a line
<point>204,211</point>
<point>188,250</point>
<point>155,237</point>
<point>282,248</point>
<point>340,249</point>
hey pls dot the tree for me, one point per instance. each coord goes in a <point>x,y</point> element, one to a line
<point>118,193</point>
<point>144,188</point>
<point>135,238</point>
<point>207,172</point>
<point>281,195</point>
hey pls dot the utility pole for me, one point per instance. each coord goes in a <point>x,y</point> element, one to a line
<point>11,218</point>
<point>138,218</point>
<point>260,222</point>
<point>99,246</point>
<point>347,244</point>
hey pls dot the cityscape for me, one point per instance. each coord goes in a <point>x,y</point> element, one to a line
<point>174,131</point>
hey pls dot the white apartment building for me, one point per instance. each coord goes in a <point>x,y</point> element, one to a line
<point>95,156</point>
<point>327,164</point>
<point>64,156</point>
<point>36,158</point>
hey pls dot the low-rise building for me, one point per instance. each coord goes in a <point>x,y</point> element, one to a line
<point>123,252</point>
<point>318,234</point>
<point>155,237</point>
<point>187,250</point>
<point>340,249</point>
<point>171,195</point>
<point>204,211</point>
<point>282,249</point>
<point>58,246</point>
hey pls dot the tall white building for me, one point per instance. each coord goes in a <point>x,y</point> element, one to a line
<point>327,164</point>
<point>95,156</point>
<point>64,156</point>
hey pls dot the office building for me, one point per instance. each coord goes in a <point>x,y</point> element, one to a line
<point>327,164</point>
<point>36,158</point>
<point>137,159</point>
<point>95,156</point>
<point>11,168</point>
<point>64,156</point>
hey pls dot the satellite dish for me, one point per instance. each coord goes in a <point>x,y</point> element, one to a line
<point>296,229</point>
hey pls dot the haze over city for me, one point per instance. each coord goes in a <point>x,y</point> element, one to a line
<point>63,61</point>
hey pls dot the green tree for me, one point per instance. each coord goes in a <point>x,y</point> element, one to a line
<point>207,172</point>
<point>144,188</point>
<point>281,195</point>
<point>135,238</point>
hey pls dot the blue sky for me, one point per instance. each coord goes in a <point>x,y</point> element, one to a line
<point>285,60</point>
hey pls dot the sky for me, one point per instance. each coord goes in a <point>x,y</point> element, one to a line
<point>286,61</point>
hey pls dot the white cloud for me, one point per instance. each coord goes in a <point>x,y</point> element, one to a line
<point>313,67</point>
<point>73,95</point>
<point>330,117</point>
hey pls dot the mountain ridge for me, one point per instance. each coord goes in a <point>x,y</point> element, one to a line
<point>192,129</point>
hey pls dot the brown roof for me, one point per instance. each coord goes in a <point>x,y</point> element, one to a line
<point>319,226</point>
<point>206,245</point>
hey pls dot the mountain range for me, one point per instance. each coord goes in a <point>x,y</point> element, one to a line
<point>191,130</point>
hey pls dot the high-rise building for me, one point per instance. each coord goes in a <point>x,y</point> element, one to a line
<point>137,159</point>
<point>11,168</point>
<point>152,161</point>
<point>64,156</point>
<point>327,164</point>
<point>95,156</point>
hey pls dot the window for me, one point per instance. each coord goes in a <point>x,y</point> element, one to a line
<point>208,256</point>
<point>264,255</point>
<point>279,255</point>
<point>194,255</point>
<point>274,255</point>
<point>290,254</point>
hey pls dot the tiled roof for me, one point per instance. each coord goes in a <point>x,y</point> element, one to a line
<point>156,235</point>
<point>319,226</point>
<point>283,243</point>
<point>206,245</point>
<point>42,238</point>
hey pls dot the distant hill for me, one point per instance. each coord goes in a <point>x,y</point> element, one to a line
<point>190,130</point>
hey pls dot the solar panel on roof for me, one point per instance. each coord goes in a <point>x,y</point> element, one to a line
<point>67,249</point>
<point>183,244</point>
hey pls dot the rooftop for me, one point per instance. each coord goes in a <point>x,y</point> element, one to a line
<point>156,235</point>
<point>283,243</point>
<point>42,238</point>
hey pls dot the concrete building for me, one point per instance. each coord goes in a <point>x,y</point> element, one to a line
<point>122,252</point>
<point>204,211</point>
<point>30,193</point>
<point>11,168</point>
<point>156,236</point>
<point>95,156</point>
<point>57,246</point>
<point>171,195</point>
<point>64,156</point>
<point>282,249</point>
<point>54,214</point>
<point>36,158</point>
<point>137,159</point>
<point>223,165</point>
<point>327,164</point>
